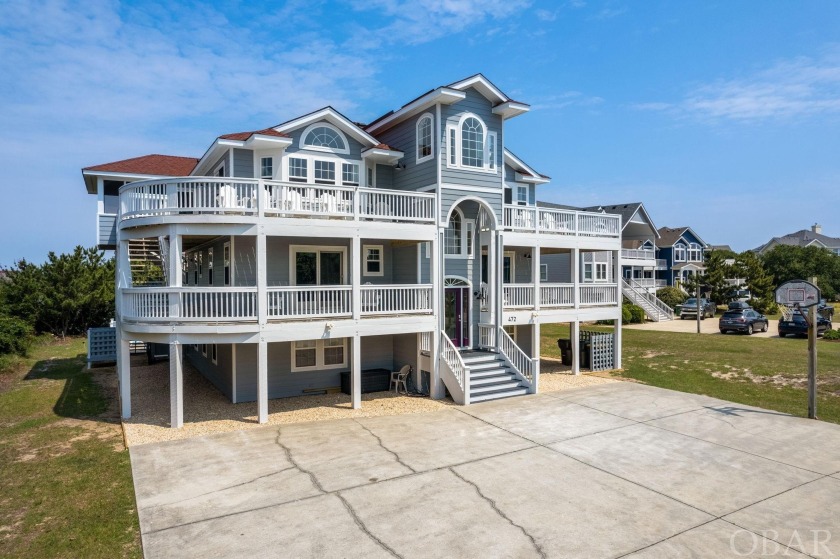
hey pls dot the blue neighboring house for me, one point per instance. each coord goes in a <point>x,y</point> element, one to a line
<point>682,250</point>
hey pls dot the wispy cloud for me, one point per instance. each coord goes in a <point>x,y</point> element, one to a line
<point>797,87</point>
<point>563,100</point>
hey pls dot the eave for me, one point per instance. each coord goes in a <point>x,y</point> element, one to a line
<point>510,109</point>
<point>384,156</point>
<point>442,95</point>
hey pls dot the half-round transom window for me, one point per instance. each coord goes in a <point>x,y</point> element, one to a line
<point>322,136</point>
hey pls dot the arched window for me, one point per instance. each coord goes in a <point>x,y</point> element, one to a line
<point>452,235</point>
<point>424,138</point>
<point>324,137</point>
<point>472,143</point>
<point>679,253</point>
<point>694,253</point>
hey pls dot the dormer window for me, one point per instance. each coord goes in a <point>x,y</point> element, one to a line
<point>424,138</point>
<point>471,145</point>
<point>324,137</point>
<point>694,253</point>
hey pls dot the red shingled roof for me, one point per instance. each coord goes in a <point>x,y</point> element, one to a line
<point>242,136</point>
<point>154,164</point>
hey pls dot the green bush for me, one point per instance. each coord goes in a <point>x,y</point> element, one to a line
<point>831,335</point>
<point>671,296</point>
<point>16,336</point>
<point>626,315</point>
<point>764,306</point>
<point>637,314</point>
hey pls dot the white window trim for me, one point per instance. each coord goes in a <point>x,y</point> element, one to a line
<point>683,249</point>
<point>310,169</point>
<point>319,124</point>
<point>293,249</point>
<point>543,272</point>
<point>486,168</point>
<point>228,280</point>
<point>319,357</point>
<point>370,175</point>
<point>600,266</point>
<point>512,255</point>
<point>431,155</point>
<point>591,268</point>
<point>210,274</point>
<point>463,242</point>
<point>381,271</point>
<point>521,188</point>
<point>214,354</point>
<point>469,235</point>
<point>273,170</point>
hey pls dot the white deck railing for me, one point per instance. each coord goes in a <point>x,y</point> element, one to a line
<point>557,295</point>
<point>524,365</point>
<point>310,301</point>
<point>518,296</point>
<point>638,254</point>
<point>195,304</point>
<point>426,342</point>
<point>396,299</point>
<point>601,294</point>
<point>648,282</point>
<point>487,336</point>
<point>237,196</point>
<point>459,370</point>
<point>560,222</point>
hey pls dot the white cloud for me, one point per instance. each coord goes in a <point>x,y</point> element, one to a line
<point>797,87</point>
<point>566,99</point>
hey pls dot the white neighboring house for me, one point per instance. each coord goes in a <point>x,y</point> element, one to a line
<point>319,251</point>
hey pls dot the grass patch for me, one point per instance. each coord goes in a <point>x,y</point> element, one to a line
<point>66,487</point>
<point>771,373</point>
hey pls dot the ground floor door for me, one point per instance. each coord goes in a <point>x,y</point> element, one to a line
<point>457,315</point>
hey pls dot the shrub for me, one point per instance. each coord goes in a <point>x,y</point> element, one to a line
<point>637,314</point>
<point>831,335</point>
<point>764,306</point>
<point>626,315</point>
<point>671,296</point>
<point>16,336</point>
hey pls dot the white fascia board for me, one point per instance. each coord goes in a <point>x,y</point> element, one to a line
<point>332,117</point>
<point>816,242</point>
<point>484,86</point>
<point>519,177</point>
<point>515,162</point>
<point>273,140</point>
<point>703,243</point>
<point>510,109</point>
<point>118,175</point>
<point>442,95</point>
<point>382,155</point>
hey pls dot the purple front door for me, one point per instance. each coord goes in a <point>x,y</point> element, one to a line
<point>457,315</point>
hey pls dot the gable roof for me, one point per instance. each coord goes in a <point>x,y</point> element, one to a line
<point>553,206</point>
<point>448,94</point>
<point>669,236</point>
<point>242,136</point>
<point>801,238</point>
<point>334,117</point>
<point>154,164</point>
<point>522,168</point>
<point>626,211</point>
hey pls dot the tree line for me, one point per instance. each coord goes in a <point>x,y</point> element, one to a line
<point>65,295</point>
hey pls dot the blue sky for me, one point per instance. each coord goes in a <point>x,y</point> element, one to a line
<point>719,115</point>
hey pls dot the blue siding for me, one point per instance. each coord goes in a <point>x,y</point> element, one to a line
<point>243,163</point>
<point>404,138</point>
<point>477,104</point>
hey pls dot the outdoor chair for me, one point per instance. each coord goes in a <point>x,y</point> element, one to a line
<point>400,377</point>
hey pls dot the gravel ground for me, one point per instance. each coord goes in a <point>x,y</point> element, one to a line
<point>207,411</point>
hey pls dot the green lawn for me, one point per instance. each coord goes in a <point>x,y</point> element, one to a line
<point>65,476</point>
<point>765,372</point>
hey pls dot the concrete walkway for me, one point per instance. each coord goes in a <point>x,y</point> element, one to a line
<point>615,470</point>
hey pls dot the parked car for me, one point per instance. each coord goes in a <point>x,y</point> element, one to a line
<point>743,320</point>
<point>826,309</point>
<point>734,305</point>
<point>798,327</point>
<point>689,308</point>
<point>742,295</point>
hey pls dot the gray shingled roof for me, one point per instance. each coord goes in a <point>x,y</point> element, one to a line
<point>626,211</point>
<point>554,206</point>
<point>802,238</point>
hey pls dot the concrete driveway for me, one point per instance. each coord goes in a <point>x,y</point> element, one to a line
<point>707,326</point>
<point>615,470</point>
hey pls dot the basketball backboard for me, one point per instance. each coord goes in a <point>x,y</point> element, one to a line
<point>798,292</point>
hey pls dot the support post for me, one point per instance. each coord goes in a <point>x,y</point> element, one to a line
<point>535,356</point>
<point>124,375</point>
<point>356,373</point>
<point>262,279</point>
<point>498,301</point>
<point>575,347</point>
<point>437,272</point>
<point>574,266</point>
<point>176,385</point>
<point>492,295</point>
<point>617,341</point>
<point>262,381</point>
<point>175,272</point>
<point>812,359</point>
<point>535,273</point>
<point>356,276</point>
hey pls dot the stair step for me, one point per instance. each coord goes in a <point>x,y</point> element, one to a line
<point>484,365</point>
<point>494,387</point>
<point>483,381</point>
<point>484,373</point>
<point>497,395</point>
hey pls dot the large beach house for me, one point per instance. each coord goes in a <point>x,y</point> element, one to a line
<point>288,257</point>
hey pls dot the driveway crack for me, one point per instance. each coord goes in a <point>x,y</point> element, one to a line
<point>364,528</point>
<point>221,489</point>
<point>495,507</point>
<point>294,463</point>
<point>385,448</point>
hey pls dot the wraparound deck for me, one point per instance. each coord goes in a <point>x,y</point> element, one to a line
<point>559,295</point>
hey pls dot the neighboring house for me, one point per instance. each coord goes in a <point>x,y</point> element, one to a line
<point>803,238</point>
<point>320,246</point>
<point>682,250</point>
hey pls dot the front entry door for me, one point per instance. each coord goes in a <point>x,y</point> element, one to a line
<point>457,315</point>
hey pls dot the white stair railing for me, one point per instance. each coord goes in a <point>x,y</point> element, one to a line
<point>455,369</point>
<point>654,307</point>
<point>525,366</point>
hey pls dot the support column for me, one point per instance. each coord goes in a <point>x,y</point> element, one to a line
<point>436,273</point>
<point>124,375</point>
<point>575,336</point>
<point>262,281</point>
<point>176,385</point>
<point>491,277</point>
<point>100,195</point>
<point>536,260</point>
<point>617,341</point>
<point>575,270</point>
<point>535,355</point>
<point>262,381</point>
<point>498,301</point>
<point>619,305</point>
<point>175,272</point>
<point>356,373</point>
<point>356,276</point>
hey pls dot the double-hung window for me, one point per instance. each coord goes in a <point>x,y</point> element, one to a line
<point>373,260</point>
<point>324,172</point>
<point>679,253</point>
<point>424,138</point>
<point>452,234</point>
<point>298,169</point>
<point>350,174</point>
<point>310,355</point>
<point>522,195</point>
<point>600,271</point>
<point>470,145</point>
<point>267,167</point>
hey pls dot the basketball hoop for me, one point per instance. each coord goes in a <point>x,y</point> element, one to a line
<point>798,293</point>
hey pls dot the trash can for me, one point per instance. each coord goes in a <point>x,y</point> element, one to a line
<point>565,350</point>
<point>677,310</point>
<point>585,354</point>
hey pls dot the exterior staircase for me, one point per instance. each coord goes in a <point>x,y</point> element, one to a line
<point>654,308</point>
<point>148,254</point>
<point>490,377</point>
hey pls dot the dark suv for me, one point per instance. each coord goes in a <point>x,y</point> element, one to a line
<point>689,308</point>
<point>798,327</point>
<point>743,320</point>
